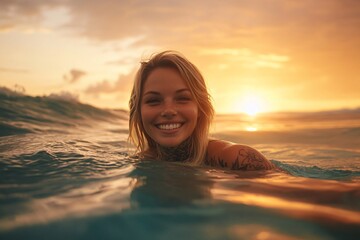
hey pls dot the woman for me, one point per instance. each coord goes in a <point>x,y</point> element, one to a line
<point>170,115</point>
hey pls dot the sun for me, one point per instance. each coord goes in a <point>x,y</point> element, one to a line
<point>251,105</point>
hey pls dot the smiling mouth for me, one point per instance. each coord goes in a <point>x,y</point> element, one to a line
<point>170,126</point>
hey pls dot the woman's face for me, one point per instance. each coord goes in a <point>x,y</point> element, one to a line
<point>168,111</point>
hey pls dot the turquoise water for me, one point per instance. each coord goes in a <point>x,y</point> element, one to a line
<point>66,172</point>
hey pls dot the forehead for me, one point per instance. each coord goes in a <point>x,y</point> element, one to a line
<point>161,79</point>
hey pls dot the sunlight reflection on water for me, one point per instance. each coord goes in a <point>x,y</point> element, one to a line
<point>93,199</point>
<point>251,129</point>
<point>296,199</point>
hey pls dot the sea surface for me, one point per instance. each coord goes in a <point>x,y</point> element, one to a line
<point>68,172</point>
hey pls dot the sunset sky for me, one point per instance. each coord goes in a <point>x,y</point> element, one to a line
<point>269,55</point>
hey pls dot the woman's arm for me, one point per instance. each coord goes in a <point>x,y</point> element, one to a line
<point>236,156</point>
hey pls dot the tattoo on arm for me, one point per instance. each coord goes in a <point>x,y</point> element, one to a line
<point>249,160</point>
<point>216,162</point>
<point>246,160</point>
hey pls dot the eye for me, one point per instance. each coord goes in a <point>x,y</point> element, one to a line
<point>184,99</point>
<point>152,101</point>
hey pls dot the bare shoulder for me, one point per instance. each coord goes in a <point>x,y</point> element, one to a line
<point>236,156</point>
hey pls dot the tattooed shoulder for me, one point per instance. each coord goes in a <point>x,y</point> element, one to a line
<point>245,158</point>
<point>249,159</point>
<point>216,161</point>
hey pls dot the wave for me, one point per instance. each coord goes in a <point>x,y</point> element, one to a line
<point>20,113</point>
<point>317,172</point>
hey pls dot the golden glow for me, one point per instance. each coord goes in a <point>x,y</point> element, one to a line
<point>286,72</point>
<point>258,232</point>
<point>294,208</point>
<point>251,105</point>
<point>251,129</point>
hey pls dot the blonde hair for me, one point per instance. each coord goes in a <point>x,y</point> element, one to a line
<point>195,81</point>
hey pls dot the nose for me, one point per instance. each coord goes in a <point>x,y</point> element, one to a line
<point>169,111</point>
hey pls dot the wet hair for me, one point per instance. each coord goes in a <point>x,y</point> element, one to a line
<point>196,84</point>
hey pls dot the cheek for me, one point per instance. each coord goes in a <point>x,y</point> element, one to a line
<point>146,114</point>
<point>142,114</point>
<point>193,113</point>
<point>146,117</point>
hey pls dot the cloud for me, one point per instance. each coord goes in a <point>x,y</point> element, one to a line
<point>27,8</point>
<point>163,23</point>
<point>122,85</point>
<point>193,23</point>
<point>6,27</point>
<point>248,58</point>
<point>227,22</point>
<point>271,60</point>
<point>13,70</point>
<point>74,75</point>
<point>25,14</point>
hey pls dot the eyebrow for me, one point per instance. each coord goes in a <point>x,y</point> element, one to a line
<point>157,93</point>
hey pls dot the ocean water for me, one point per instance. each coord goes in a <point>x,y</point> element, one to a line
<point>67,172</point>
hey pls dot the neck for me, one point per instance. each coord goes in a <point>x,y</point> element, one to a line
<point>179,153</point>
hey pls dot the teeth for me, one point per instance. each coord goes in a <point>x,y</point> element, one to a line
<point>169,126</point>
